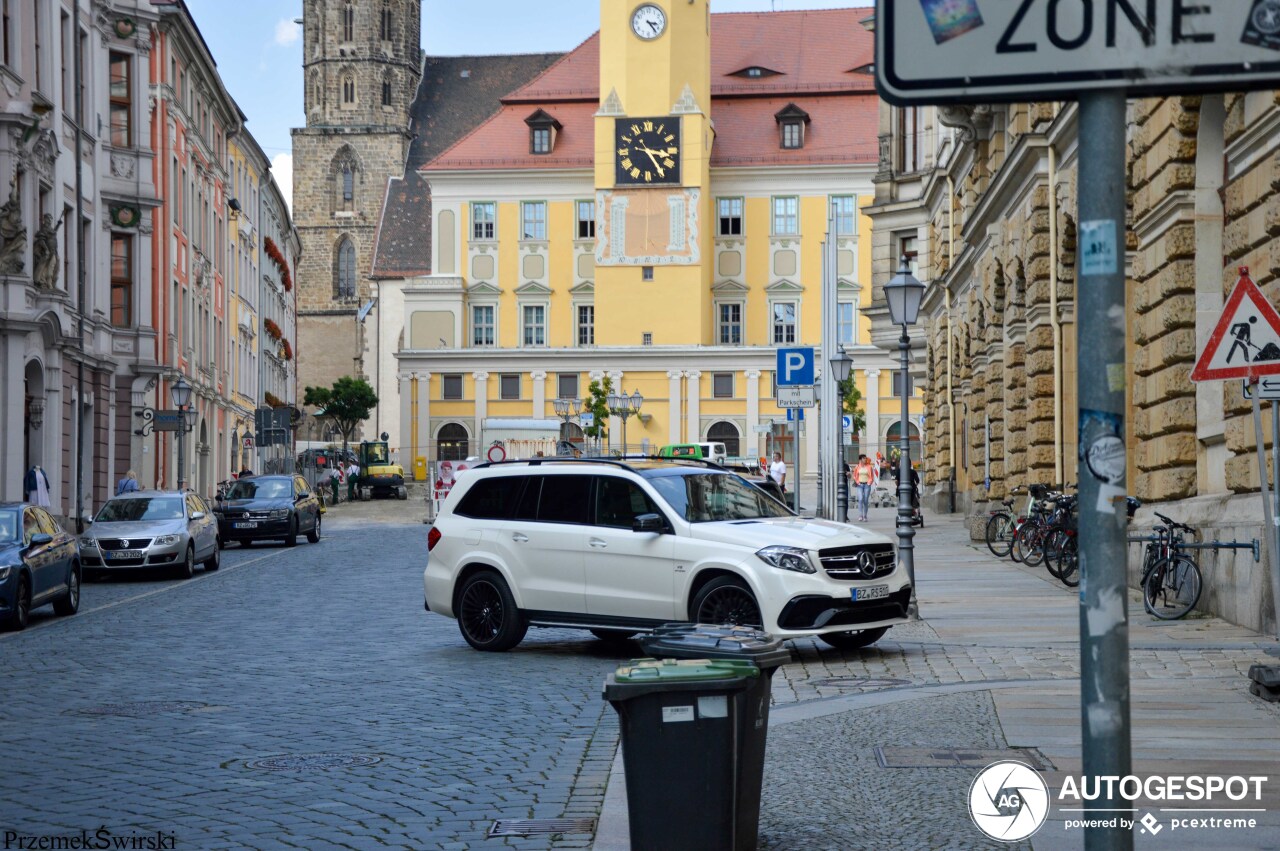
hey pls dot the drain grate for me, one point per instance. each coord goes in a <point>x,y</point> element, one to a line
<point>311,761</point>
<point>859,682</point>
<point>541,827</point>
<point>140,709</point>
<point>954,757</point>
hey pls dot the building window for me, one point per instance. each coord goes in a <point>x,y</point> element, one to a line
<point>730,324</point>
<point>907,249</point>
<point>786,216</point>
<point>784,322</point>
<point>728,217</point>
<point>792,134</point>
<point>121,280</point>
<point>482,221</point>
<point>452,443</point>
<point>722,385</point>
<point>535,325</point>
<point>909,138</point>
<point>345,277</point>
<point>6,35</point>
<point>567,385</point>
<point>348,22</point>
<point>897,385</point>
<point>533,217</point>
<point>482,330</point>
<point>384,23</point>
<point>586,325</point>
<point>646,273</point>
<point>846,210</point>
<point>646,338</point>
<point>35,41</point>
<point>451,387</point>
<point>844,323</point>
<point>121,101</point>
<point>68,108</point>
<point>586,219</point>
<point>348,89</point>
<point>348,186</point>
<point>509,386</point>
<point>386,90</point>
<point>540,140</point>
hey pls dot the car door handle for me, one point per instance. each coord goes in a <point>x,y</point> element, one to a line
<point>598,543</point>
<point>520,538</point>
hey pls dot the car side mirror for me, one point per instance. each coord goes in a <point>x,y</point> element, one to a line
<point>648,523</point>
<point>303,496</point>
<point>39,539</point>
<point>197,515</point>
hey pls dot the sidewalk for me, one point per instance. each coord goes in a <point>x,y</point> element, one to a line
<point>878,748</point>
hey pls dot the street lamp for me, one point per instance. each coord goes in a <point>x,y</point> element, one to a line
<point>622,405</point>
<point>566,409</point>
<point>904,293</point>
<point>841,366</point>
<point>180,395</point>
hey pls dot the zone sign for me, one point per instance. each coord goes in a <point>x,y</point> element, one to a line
<point>984,51</point>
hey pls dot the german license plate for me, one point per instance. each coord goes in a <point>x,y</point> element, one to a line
<point>247,524</point>
<point>875,592</point>
<point>124,554</point>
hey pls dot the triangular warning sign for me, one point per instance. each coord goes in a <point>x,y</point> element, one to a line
<point>1246,341</point>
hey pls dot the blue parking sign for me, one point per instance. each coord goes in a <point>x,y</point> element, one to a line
<point>795,367</point>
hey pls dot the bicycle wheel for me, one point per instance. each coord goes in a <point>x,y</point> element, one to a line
<point>1019,539</point>
<point>1052,549</point>
<point>1033,545</point>
<point>1069,561</point>
<point>1000,531</point>
<point>1173,588</point>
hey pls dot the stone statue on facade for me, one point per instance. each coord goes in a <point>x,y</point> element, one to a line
<point>982,315</point>
<point>13,233</point>
<point>44,253</point>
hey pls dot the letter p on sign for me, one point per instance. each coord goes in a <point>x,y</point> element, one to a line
<point>795,367</point>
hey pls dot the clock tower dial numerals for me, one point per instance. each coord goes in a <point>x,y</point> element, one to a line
<point>648,21</point>
<point>647,151</point>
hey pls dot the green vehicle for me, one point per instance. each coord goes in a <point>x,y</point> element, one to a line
<point>712,451</point>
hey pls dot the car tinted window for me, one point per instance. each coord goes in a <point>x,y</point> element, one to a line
<point>703,497</point>
<point>527,509</point>
<point>491,498</point>
<point>47,524</point>
<point>564,499</point>
<point>9,525</point>
<point>30,525</point>
<point>261,489</point>
<point>619,502</point>
<point>141,508</point>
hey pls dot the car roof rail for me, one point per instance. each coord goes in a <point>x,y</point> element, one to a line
<point>553,459</point>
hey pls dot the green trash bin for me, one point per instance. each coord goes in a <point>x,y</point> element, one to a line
<point>738,643</point>
<point>681,723</point>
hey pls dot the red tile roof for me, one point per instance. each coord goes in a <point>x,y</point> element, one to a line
<point>812,51</point>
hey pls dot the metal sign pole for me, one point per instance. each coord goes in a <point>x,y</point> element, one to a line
<point>1275,512</point>
<point>1268,515</point>
<point>1104,611</point>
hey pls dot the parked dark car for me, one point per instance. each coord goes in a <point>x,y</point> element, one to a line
<point>268,508</point>
<point>39,564</point>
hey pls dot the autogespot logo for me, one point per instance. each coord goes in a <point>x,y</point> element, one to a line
<point>1008,801</point>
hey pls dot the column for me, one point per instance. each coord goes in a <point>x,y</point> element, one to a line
<point>871,434</point>
<point>11,460</point>
<point>539,394</point>
<point>673,405</point>
<point>751,440</point>
<point>52,434</point>
<point>694,426</point>
<point>406,420</point>
<point>422,428</point>
<point>482,411</point>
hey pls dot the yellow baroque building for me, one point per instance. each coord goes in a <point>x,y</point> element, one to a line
<point>650,208</point>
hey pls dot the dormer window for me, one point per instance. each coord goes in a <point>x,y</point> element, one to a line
<point>754,72</point>
<point>792,121</point>
<point>542,132</point>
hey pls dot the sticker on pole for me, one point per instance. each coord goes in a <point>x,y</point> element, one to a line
<point>1246,341</point>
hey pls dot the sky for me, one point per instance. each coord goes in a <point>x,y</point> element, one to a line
<point>258,48</point>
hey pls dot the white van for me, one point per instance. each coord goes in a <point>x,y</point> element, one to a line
<point>714,452</point>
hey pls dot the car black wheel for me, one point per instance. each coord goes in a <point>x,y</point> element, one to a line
<point>487,615</point>
<point>726,600</point>
<point>214,561</point>
<point>291,539</point>
<point>613,636</point>
<point>854,640</point>
<point>188,567</point>
<point>21,606</point>
<point>313,537</point>
<point>69,603</point>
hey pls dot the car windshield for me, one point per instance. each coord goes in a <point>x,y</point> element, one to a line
<point>267,489</point>
<point>141,508</point>
<point>8,525</point>
<point>703,497</point>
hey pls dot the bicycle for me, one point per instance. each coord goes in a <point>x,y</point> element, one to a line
<point>1062,550</point>
<point>1171,583</point>
<point>1028,541</point>
<point>1001,527</point>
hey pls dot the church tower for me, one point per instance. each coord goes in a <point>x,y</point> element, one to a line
<point>361,65</point>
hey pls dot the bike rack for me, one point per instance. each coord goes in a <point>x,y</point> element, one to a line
<point>1215,544</point>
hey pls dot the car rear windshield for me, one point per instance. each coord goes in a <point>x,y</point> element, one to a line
<point>703,497</point>
<point>141,508</point>
<point>266,489</point>
<point>8,525</point>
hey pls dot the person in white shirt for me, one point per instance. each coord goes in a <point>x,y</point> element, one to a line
<point>778,471</point>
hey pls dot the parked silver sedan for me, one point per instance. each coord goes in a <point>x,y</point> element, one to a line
<point>151,529</point>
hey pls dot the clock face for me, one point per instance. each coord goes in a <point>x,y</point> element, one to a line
<point>647,151</point>
<point>648,21</point>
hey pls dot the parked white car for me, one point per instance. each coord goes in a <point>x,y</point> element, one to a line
<point>621,547</point>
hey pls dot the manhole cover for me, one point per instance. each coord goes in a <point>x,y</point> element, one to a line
<point>311,761</point>
<point>859,682</point>
<point>954,757</point>
<point>542,827</point>
<point>139,709</point>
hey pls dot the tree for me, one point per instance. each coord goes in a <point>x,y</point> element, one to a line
<point>851,404</point>
<point>348,403</point>
<point>597,404</point>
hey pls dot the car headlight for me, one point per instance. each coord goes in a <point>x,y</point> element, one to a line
<point>88,542</point>
<point>167,539</point>
<point>4,572</point>
<point>280,513</point>
<point>788,558</point>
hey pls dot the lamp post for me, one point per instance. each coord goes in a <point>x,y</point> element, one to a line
<point>622,405</point>
<point>180,395</point>
<point>904,293</point>
<point>566,409</point>
<point>841,366</point>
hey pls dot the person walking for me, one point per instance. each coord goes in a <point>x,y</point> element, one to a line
<point>863,477</point>
<point>353,477</point>
<point>778,471</point>
<point>128,484</point>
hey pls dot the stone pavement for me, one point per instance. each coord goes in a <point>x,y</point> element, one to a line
<point>993,665</point>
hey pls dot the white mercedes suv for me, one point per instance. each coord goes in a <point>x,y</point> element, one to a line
<point>619,548</point>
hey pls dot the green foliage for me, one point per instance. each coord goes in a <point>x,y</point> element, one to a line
<point>348,403</point>
<point>851,404</point>
<point>598,406</point>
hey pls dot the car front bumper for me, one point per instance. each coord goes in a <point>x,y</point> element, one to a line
<point>263,530</point>
<point>153,556</point>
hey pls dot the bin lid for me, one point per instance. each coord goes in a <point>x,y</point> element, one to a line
<point>641,677</point>
<point>716,641</point>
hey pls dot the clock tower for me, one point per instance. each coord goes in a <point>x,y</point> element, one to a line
<point>653,140</point>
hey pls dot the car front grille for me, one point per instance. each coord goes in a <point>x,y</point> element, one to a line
<point>123,543</point>
<point>868,561</point>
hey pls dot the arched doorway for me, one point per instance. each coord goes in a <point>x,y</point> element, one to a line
<point>452,442</point>
<point>727,433</point>
<point>33,422</point>
<point>572,433</point>
<point>202,460</point>
<point>895,434</point>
